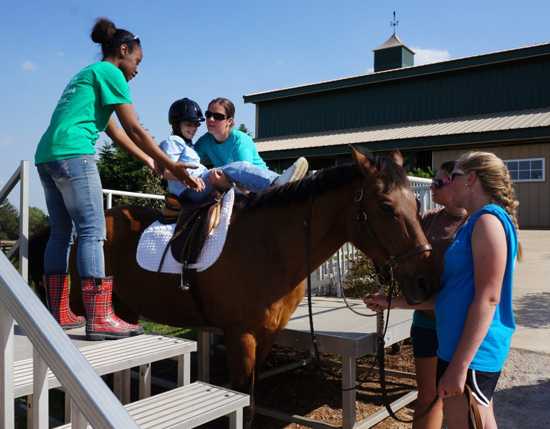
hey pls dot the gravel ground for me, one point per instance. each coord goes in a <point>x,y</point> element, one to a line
<point>522,399</point>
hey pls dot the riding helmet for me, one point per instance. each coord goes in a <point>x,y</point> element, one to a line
<point>184,110</point>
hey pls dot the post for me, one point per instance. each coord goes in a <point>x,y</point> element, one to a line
<point>349,368</point>
<point>24,221</point>
<point>39,399</point>
<point>7,414</point>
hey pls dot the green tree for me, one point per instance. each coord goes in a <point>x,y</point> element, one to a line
<point>426,173</point>
<point>9,224</point>
<point>121,172</point>
<point>361,278</point>
<point>38,220</point>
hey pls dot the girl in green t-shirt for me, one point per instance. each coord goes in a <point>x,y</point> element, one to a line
<point>65,159</point>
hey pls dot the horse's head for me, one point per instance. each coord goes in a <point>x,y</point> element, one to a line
<point>386,225</point>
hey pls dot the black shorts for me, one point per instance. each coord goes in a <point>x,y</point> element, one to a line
<point>424,342</point>
<point>481,383</point>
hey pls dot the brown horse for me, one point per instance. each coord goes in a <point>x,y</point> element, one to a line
<point>258,281</point>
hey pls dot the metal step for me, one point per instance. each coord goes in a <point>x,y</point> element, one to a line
<point>188,407</point>
<point>108,357</point>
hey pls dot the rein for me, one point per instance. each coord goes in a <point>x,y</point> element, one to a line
<point>390,265</point>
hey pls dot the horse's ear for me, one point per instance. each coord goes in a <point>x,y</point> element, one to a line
<point>397,157</point>
<point>366,165</point>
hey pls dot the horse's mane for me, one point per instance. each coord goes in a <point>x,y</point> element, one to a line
<point>391,175</point>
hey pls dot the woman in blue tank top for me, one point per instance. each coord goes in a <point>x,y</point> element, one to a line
<point>474,315</point>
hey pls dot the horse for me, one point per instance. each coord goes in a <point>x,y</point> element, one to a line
<point>272,246</point>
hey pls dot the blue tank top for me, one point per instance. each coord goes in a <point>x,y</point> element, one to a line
<point>457,293</point>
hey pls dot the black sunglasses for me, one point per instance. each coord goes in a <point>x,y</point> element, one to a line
<point>215,115</point>
<point>439,183</point>
<point>456,173</point>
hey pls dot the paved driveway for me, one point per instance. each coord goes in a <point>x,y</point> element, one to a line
<point>532,293</point>
<point>521,399</point>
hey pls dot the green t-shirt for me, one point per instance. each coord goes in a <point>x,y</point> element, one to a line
<point>82,112</point>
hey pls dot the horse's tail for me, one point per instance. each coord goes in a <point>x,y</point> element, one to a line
<point>37,248</point>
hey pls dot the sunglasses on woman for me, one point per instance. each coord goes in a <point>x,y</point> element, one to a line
<point>215,115</point>
<point>455,174</point>
<point>439,183</point>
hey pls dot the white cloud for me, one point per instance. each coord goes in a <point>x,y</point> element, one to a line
<point>427,56</point>
<point>28,66</point>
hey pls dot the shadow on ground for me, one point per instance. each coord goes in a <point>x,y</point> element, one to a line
<point>531,310</point>
<point>523,406</point>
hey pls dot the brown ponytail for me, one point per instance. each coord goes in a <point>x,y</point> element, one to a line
<point>496,181</point>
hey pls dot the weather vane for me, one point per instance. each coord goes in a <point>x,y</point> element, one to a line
<point>394,23</point>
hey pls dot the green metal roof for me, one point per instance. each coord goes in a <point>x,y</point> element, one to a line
<point>479,129</point>
<point>403,73</point>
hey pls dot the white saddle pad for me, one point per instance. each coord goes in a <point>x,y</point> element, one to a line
<point>154,239</point>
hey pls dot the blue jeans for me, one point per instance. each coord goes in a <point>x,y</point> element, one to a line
<point>72,188</point>
<point>242,173</point>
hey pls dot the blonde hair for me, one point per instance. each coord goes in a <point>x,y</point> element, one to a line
<point>495,180</point>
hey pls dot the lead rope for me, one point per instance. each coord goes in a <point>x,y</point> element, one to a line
<point>307,230</point>
<point>381,329</point>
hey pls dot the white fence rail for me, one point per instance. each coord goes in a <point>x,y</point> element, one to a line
<point>110,192</point>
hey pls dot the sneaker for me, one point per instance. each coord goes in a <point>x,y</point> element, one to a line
<point>295,172</point>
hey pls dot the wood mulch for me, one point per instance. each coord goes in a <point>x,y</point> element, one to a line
<point>317,394</point>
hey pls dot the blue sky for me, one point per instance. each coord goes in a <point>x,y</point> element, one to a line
<point>204,50</point>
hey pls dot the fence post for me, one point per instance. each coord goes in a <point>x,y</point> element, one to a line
<point>109,201</point>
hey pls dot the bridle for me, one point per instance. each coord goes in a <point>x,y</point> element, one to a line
<point>390,266</point>
<point>392,261</point>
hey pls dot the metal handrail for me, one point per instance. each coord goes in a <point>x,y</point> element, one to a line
<point>22,245</point>
<point>86,389</point>
<point>51,346</point>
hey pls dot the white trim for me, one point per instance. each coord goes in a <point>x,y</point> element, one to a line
<point>543,179</point>
<point>477,391</point>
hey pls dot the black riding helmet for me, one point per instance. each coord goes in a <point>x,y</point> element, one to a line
<point>184,110</point>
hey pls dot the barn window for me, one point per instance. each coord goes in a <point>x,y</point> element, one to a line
<point>526,170</point>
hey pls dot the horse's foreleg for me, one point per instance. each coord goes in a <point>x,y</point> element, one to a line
<point>241,359</point>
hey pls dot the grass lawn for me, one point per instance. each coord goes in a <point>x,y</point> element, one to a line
<point>171,331</point>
